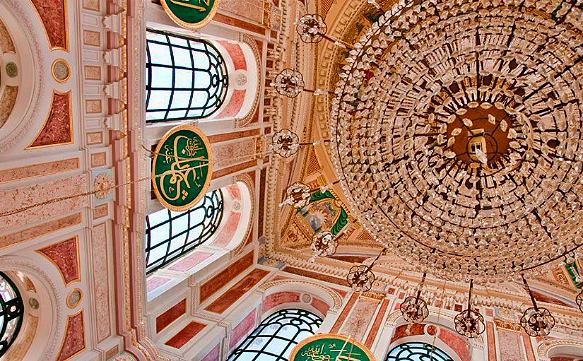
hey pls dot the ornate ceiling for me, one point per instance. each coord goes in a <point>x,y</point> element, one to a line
<point>424,99</point>
<point>456,135</point>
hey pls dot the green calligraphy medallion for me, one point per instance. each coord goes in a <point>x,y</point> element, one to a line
<point>182,168</point>
<point>191,14</point>
<point>330,347</point>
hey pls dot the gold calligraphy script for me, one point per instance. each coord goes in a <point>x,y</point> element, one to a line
<point>181,168</point>
<point>316,354</point>
<point>186,3</point>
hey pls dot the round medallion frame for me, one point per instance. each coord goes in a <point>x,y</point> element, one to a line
<point>207,181</point>
<point>321,336</point>
<point>192,26</point>
<point>63,62</point>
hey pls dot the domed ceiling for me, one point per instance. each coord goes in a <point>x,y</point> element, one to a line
<point>450,134</point>
<point>456,134</point>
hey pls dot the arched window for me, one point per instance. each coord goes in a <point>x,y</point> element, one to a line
<point>417,351</point>
<point>277,335</point>
<point>185,78</point>
<point>170,235</point>
<point>11,312</point>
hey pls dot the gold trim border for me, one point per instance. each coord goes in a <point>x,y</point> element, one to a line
<point>190,26</point>
<point>78,264</point>
<point>207,181</point>
<point>69,304</point>
<point>65,335</point>
<point>328,336</point>
<point>53,70</point>
<point>66,19</point>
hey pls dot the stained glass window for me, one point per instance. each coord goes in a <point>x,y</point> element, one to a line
<point>277,335</point>
<point>417,351</point>
<point>185,78</point>
<point>170,235</point>
<point>11,313</point>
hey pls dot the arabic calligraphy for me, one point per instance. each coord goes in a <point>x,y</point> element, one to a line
<point>316,354</point>
<point>181,168</point>
<point>330,348</point>
<point>188,4</point>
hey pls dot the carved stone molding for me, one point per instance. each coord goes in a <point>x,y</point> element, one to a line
<point>56,320</point>
<point>250,41</point>
<point>248,181</point>
<point>544,349</point>
<point>39,102</point>
<point>304,286</point>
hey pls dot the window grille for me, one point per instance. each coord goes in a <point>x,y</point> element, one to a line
<point>169,235</point>
<point>11,313</point>
<point>417,351</point>
<point>186,78</point>
<point>277,335</point>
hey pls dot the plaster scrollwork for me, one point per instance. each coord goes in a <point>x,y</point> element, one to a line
<point>55,321</point>
<point>303,285</point>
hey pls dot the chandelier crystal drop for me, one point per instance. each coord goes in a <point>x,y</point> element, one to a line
<point>457,129</point>
<point>470,322</point>
<point>414,308</point>
<point>536,321</point>
<point>289,83</point>
<point>285,143</point>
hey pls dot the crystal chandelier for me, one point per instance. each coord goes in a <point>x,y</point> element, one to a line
<point>285,143</point>
<point>414,308</point>
<point>536,321</point>
<point>297,195</point>
<point>470,322</point>
<point>454,132</point>
<point>312,28</point>
<point>361,277</point>
<point>289,83</point>
<point>323,245</point>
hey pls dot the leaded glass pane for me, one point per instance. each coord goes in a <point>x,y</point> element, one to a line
<point>185,78</point>
<point>417,351</point>
<point>277,335</point>
<point>11,313</point>
<point>169,235</point>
